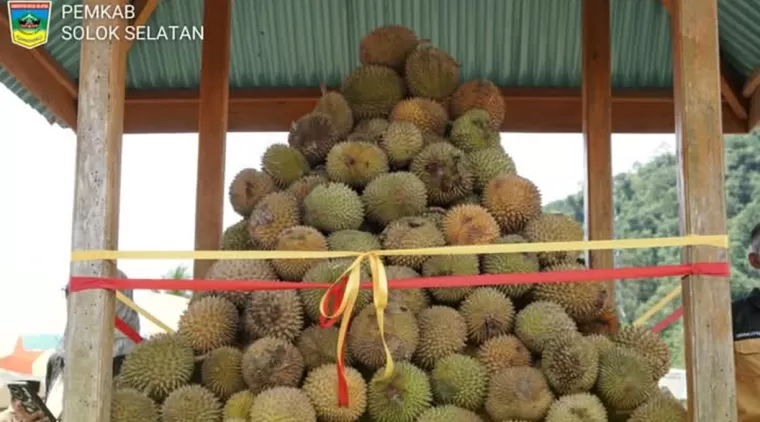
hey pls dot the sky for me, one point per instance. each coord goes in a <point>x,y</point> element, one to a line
<point>157,210</point>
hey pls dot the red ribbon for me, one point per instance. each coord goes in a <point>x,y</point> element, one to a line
<point>668,321</point>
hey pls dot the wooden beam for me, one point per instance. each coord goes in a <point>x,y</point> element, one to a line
<point>89,341</point>
<point>212,116</point>
<point>143,11</point>
<point>700,150</point>
<point>40,74</point>
<point>752,92</point>
<point>597,132</point>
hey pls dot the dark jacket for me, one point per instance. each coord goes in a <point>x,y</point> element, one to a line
<point>746,321</point>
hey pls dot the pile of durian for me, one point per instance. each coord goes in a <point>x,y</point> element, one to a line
<point>405,155</point>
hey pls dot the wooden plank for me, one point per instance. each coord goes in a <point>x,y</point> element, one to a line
<point>597,132</point>
<point>754,112</point>
<point>89,341</point>
<point>40,74</point>
<point>274,110</point>
<point>700,150</point>
<point>212,129</point>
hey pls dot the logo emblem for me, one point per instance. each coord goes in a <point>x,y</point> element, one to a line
<point>29,22</point>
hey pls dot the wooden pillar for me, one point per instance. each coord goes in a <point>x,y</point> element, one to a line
<point>89,340</point>
<point>597,131</point>
<point>707,309</point>
<point>212,129</point>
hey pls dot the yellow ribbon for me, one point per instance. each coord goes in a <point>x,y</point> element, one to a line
<point>135,307</point>
<point>658,306</point>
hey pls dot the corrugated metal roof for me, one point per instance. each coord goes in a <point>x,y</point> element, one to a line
<point>517,43</point>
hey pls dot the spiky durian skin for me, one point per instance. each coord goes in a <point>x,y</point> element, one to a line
<point>478,94</point>
<point>427,115</point>
<point>298,238</point>
<point>570,365</point>
<point>238,407</point>
<point>284,163</point>
<point>282,404</point>
<point>518,393</point>
<point>625,379</point>
<point>191,403</point>
<point>649,345</point>
<point>488,313</point>
<point>444,170</point>
<point>449,413</point>
<point>373,91</point>
<point>335,105</point>
<point>271,362</point>
<point>459,380</point>
<point>431,73</point>
<point>391,196</point>
<point>387,45</point>
<point>505,351</point>
<point>236,237</point>
<point>209,323</point>
<point>273,214</point>
<point>247,188</point>
<point>512,200</point>
<point>554,228</point>
<point>319,346</point>
<point>370,130</point>
<point>472,131</point>
<point>508,263</point>
<point>448,265</point>
<point>660,408</point>
<point>356,163</point>
<point>542,322</point>
<point>443,332</point>
<point>402,398</point>
<point>220,371</point>
<point>437,215</point>
<point>410,233</point>
<point>608,322</point>
<point>487,163</point>
<point>601,342</point>
<point>313,135</point>
<point>583,301</point>
<point>158,365</point>
<point>353,240</point>
<point>236,269</point>
<point>303,186</point>
<point>130,405</point>
<point>401,335</point>
<point>581,407</point>
<point>333,207</point>
<point>329,272</point>
<point>470,224</point>
<point>321,385</point>
<point>401,141</point>
<point>274,313</point>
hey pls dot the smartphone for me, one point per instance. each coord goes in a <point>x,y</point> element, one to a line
<point>30,400</point>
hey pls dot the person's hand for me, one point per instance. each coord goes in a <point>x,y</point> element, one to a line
<point>23,416</point>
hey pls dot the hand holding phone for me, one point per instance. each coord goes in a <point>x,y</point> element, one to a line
<point>28,404</point>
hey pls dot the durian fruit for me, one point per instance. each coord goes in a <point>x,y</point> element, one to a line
<point>318,346</point>
<point>431,73</point>
<point>541,322</point>
<point>387,45</point>
<point>602,343</point>
<point>313,135</point>
<point>513,201</point>
<point>334,105</point>
<point>247,188</point>
<point>273,214</point>
<point>271,362</point>
<point>606,323</point>
<point>472,131</point>
<point>332,207</point>
<point>444,170</point>
<point>581,407</point>
<point>158,365</point>
<point>413,299</point>
<point>402,398</point>
<point>236,237</point>
<point>478,94</point>
<point>303,186</point>
<point>356,163</point>
<point>649,345</point>
<point>470,224</point>
<point>298,238</point>
<point>353,240</point>
<point>436,215</point>
<point>282,404</point>
<point>424,113</point>
<point>236,269</point>
<point>410,233</point>
<point>502,352</point>
<point>191,403</point>
<point>518,393</point>
<point>459,380</point>
<point>370,130</point>
<point>449,413</point>
<point>660,407</point>
<point>285,164</point>
<point>401,142</point>
<point>321,385</point>
<point>442,332</point>
<point>391,196</point>
<point>130,405</point>
<point>329,272</point>
<point>487,163</point>
<point>401,335</point>
<point>488,314</point>
<point>238,407</point>
<point>570,365</point>
<point>209,323</point>
<point>508,263</point>
<point>625,379</point>
<point>274,313</point>
<point>548,228</point>
<point>373,91</point>
<point>450,265</point>
<point>220,371</point>
<point>432,138</point>
<point>583,301</point>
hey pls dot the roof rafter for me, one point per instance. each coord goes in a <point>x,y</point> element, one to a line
<point>143,11</point>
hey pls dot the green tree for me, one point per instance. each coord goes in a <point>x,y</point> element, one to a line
<point>180,272</point>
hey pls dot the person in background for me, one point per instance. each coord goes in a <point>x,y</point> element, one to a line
<point>54,374</point>
<point>746,321</point>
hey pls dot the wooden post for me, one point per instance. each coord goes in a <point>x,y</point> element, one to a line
<point>89,339</point>
<point>707,308</point>
<point>212,129</point>
<point>597,131</point>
